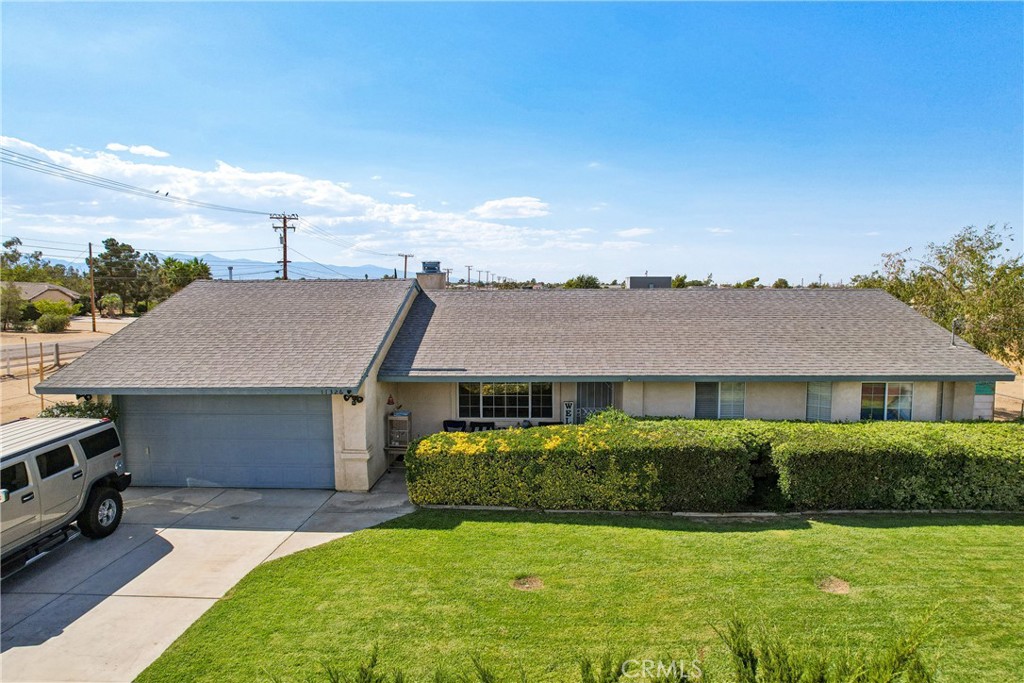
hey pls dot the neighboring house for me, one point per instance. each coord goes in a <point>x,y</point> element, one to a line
<point>649,282</point>
<point>45,291</point>
<point>287,384</point>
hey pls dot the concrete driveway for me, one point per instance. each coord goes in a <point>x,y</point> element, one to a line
<point>104,610</point>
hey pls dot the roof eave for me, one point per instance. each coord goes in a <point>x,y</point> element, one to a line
<point>193,391</point>
<point>888,377</point>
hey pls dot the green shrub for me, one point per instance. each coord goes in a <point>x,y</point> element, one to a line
<point>902,466</point>
<point>51,322</point>
<point>92,409</point>
<point>31,313</point>
<point>57,308</point>
<point>608,464</point>
<point>615,462</point>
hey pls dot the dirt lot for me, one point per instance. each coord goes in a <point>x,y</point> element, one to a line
<point>1010,398</point>
<point>16,398</point>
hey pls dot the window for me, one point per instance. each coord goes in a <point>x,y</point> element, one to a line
<point>819,401</point>
<point>14,478</point>
<point>55,461</point>
<point>719,400</point>
<point>100,442</point>
<point>506,399</point>
<point>886,400</point>
<point>730,400</point>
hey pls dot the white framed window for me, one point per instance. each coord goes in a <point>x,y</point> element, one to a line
<point>819,401</point>
<point>886,400</point>
<point>505,400</point>
<point>719,400</point>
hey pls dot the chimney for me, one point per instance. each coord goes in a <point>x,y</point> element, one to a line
<point>431,277</point>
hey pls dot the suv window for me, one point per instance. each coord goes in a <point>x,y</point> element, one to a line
<point>14,478</point>
<point>100,442</point>
<point>55,461</point>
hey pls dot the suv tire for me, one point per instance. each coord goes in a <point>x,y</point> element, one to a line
<point>102,513</point>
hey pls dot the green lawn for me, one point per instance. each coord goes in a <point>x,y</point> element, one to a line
<point>434,587</point>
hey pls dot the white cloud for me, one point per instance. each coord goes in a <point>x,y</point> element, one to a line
<point>376,177</point>
<point>634,232</point>
<point>402,195</point>
<point>719,231</point>
<point>141,150</point>
<point>40,205</point>
<point>595,164</point>
<point>512,207</point>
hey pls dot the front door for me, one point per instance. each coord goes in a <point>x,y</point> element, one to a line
<point>593,397</point>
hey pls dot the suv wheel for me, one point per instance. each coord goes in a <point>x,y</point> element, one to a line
<point>102,513</point>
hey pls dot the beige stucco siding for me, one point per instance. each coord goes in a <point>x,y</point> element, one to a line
<point>963,401</point>
<point>667,399</point>
<point>845,401</point>
<point>925,407</point>
<point>776,401</point>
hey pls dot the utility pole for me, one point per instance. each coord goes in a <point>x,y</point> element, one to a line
<point>92,289</point>
<point>231,272</point>
<point>284,228</point>
<point>487,278</point>
<point>469,275</point>
<point>405,266</point>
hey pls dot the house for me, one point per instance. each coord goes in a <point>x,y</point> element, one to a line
<point>288,384</point>
<point>45,291</point>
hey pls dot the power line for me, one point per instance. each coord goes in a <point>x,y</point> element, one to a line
<point>321,264</point>
<point>328,236</point>
<point>19,160</point>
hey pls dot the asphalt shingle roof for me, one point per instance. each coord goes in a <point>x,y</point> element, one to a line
<point>676,333</point>
<point>298,335</point>
<point>30,290</point>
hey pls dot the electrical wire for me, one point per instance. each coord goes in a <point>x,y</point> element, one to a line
<point>327,236</point>
<point>337,272</point>
<point>10,157</point>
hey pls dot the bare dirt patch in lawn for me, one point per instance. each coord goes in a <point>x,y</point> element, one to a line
<point>527,583</point>
<point>834,585</point>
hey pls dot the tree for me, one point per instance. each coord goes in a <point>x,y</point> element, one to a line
<point>583,282</point>
<point>16,266</point>
<point>175,275</point>
<point>681,281</point>
<point>124,271</point>
<point>747,284</point>
<point>974,280</point>
<point>11,305</point>
<point>781,283</point>
<point>110,304</point>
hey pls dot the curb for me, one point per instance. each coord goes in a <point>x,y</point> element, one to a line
<point>717,515</point>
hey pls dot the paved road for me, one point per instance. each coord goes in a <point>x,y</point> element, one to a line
<point>16,350</point>
<point>105,610</point>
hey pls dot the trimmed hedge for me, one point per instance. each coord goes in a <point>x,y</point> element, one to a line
<point>617,463</point>
<point>603,465</point>
<point>901,466</point>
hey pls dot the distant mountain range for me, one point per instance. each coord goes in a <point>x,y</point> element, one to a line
<point>246,269</point>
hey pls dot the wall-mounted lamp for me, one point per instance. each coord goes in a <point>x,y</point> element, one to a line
<point>391,400</point>
<point>355,398</point>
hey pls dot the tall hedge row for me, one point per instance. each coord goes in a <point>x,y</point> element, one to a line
<point>599,466</point>
<point>905,466</point>
<point>617,463</point>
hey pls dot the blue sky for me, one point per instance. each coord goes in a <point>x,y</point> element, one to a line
<point>532,140</point>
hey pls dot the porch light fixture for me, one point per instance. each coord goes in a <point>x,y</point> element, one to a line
<point>355,398</point>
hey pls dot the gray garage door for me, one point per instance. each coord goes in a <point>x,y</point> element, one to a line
<point>236,441</point>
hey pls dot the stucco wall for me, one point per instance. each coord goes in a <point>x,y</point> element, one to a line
<point>776,401</point>
<point>53,295</point>
<point>963,401</point>
<point>845,401</point>
<point>668,399</point>
<point>925,407</point>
